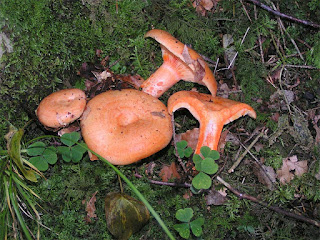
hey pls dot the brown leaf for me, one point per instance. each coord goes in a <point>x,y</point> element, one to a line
<point>315,121</point>
<point>90,208</point>
<point>186,55</point>
<point>202,6</point>
<point>224,90</point>
<point>266,175</point>
<point>291,167</point>
<point>169,172</point>
<point>191,136</point>
<point>284,175</point>
<point>134,81</point>
<point>223,140</point>
<point>215,197</point>
<point>74,127</point>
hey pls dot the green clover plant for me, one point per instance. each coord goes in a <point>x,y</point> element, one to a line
<point>72,151</point>
<point>42,155</point>
<point>206,165</point>
<point>183,150</point>
<point>185,216</point>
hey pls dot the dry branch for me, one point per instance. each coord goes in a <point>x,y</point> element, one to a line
<point>282,15</point>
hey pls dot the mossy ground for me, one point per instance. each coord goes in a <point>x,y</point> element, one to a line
<point>51,39</point>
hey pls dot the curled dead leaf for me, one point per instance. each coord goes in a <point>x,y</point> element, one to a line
<point>169,172</point>
<point>291,167</point>
<point>191,136</point>
<point>90,208</point>
<point>215,197</point>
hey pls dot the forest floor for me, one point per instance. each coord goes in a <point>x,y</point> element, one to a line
<point>265,55</point>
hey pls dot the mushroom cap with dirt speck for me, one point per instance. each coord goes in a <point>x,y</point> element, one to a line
<point>179,62</point>
<point>125,126</point>
<point>61,108</point>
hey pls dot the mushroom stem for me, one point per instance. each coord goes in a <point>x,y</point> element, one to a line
<point>209,135</point>
<point>183,62</point>
<point>169,73</point>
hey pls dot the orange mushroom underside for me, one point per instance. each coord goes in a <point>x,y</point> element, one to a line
<point>211,112</point>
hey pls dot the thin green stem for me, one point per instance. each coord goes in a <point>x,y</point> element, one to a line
<point>13,201</point>
<point>134,189</point>
<point>139,195</point>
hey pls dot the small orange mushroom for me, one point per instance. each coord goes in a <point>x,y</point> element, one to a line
<point>61,108</point>
<point>179,62</point>
<point>125,126</point>
<point>211,112</point>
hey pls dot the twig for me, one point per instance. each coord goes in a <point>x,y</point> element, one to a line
<point>235,56</point>
<point>285,30</point>
<point>175,145</point>
<point>265,204</point>
<point>245,10</point>
<point>171,184</point>
<point>301,66</point>
<point>245,152</point>
<point>282,15</point>
<point>259,36</point>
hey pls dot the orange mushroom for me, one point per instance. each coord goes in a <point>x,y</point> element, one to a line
<point>125,126</point>
<point>179,62</point>
<point>61,108</point>
<point>211,112</point>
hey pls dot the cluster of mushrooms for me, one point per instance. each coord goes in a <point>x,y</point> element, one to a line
<point>129,125</point>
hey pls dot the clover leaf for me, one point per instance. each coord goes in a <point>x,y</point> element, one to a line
<point>72,151</point>
<point>42,155</point>
<point>206,165</point>
<point>183,149</point>
<point>185,216</point>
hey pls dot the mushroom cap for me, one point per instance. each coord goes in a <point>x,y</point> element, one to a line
<point>211,112</point>
<point>125,126</point>
<point>179,50</point>
<point>61,108</point>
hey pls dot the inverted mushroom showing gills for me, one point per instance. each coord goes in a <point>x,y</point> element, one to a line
<point>125,126</point>
<point>179,62</point>
<point>211,112</point>
<point>61,108</point>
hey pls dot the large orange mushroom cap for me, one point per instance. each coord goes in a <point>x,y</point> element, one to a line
<point>179,62</point>
<point>61,108</point>
<point>125,126</point>
<point>211,112</point>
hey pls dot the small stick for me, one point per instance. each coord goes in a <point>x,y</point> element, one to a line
<point>265,204</point>
<point>282,15</point>
<point>259,36</point>
<point>245,152</point>
<point>175,145</point>
<point>171,184</point>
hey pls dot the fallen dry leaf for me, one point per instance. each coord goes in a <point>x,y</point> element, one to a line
<point>291,167</point>
<point>90,208</point>
<point>134,81</point>
<point>222,140</point>
<point>74,127</point>
<point>315,121</point>
<point>188,194</point>
<point>215,197</point>
<point>202,6</point>
<point>191,136</point>
<point>224,90</point>
<point>169,172</point>
<point>266,175</point>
